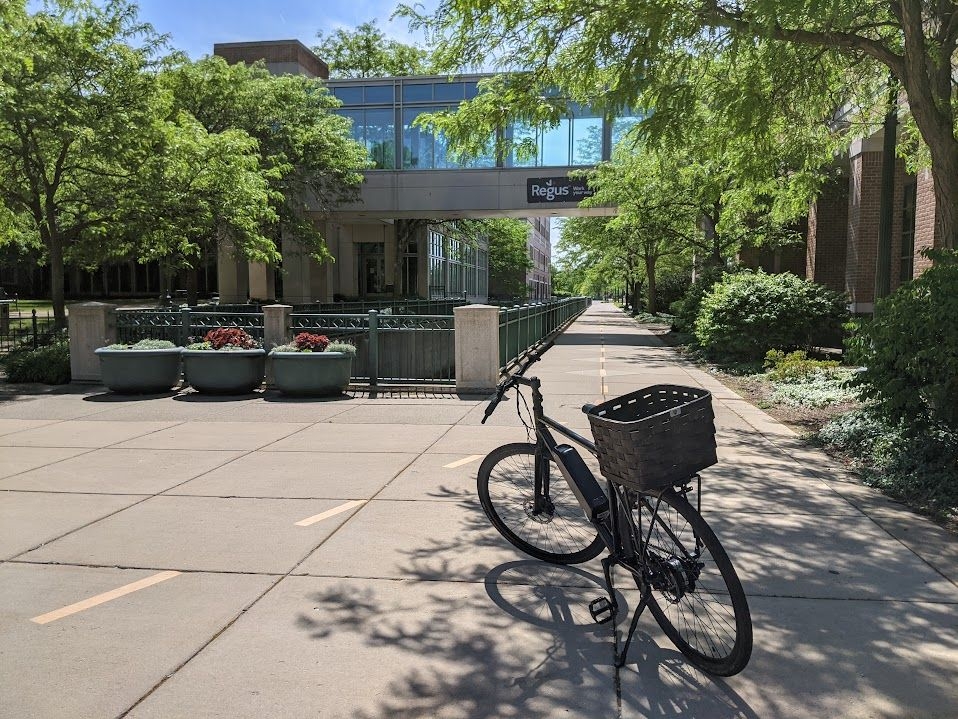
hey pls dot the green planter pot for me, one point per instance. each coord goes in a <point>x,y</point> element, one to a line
<point>140,371</point>
<point>311,374</point>
<point>224,371</point>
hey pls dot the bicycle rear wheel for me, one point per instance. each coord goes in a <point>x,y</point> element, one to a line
<point>559,531</point>
<point>697,597</point>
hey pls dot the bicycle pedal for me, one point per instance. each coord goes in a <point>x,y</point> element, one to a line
<point>602,610</point>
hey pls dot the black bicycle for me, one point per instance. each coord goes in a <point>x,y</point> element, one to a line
<point>650,445</point>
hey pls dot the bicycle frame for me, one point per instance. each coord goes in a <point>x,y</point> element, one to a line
<point>618,531</point>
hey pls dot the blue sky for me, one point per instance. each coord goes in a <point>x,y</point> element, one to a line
<point>194,25</point>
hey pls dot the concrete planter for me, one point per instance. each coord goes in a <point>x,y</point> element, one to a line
<point>224,371</point>
<point>139,371</point>
<point>311,374</point>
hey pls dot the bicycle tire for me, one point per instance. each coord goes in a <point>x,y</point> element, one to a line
<point>506,484</point>
<point>709,622</point>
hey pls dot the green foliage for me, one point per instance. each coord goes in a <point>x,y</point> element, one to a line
<point>794,365</point>
<point>818,388</point>
<point>746,314</point>
<point>345,347</point>
<point>508,254</point>
<point>147,344</point>
<point>365,52</point>
<point>201,346</point>
<point>910,349</point>
<point>918,468</point>
<point>77,108</point>
<point>657,319</point>
<point>45,365</point>
<point>686,310</point>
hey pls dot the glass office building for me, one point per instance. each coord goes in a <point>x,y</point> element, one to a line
<point>383,112</point>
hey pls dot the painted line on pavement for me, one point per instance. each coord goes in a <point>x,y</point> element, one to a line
<point>105,597</point>
<point>460,462</point>
<point>330,513</point>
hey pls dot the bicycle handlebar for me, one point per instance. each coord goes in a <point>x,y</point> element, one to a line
<point>514,379</point>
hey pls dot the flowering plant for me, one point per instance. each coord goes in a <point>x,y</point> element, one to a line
<point>226,338</point>
<point>308,342</point>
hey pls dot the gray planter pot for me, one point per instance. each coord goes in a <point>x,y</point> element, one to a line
<point>311,374</point>
<point>224,372</point>
<point>139,371</point>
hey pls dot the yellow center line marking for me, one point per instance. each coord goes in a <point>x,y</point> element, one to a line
<point>105,597</point>
<point>460,462</point>
<point>330,513</point>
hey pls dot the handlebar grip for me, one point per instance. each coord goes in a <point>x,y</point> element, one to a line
<point>588,408</point>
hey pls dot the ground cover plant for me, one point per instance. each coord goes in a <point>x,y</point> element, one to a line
<point>147,344</point>
<point>48,364</point>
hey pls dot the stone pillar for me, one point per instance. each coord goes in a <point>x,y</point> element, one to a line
<point>232,276</point>
<point>262,281</point>
<point>276,325</point>
<point>477,347</point>
<point>91,325</point>
<point>297,266</point>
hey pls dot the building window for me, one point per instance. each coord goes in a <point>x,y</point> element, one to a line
<point>908,231</point>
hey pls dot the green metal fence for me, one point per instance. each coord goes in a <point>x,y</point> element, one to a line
<point>522,327</point>
<point>181,326</point>
<point>391,349</point>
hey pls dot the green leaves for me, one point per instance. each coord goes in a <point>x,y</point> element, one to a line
<point>365,52</point>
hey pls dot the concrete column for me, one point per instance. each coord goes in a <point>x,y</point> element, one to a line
<point>262,281</point>
<point>91,325</point>
<point>477,347</point>
<point>297,267</point>
<point>276,325</point>
<point>232,275</point>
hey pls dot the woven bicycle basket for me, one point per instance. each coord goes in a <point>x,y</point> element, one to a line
<point>656,437</point>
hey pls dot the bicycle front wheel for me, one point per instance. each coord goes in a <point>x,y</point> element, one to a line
<point>555,529</point>
<point>697,597</point>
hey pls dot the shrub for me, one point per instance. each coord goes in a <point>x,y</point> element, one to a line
<point>910,348</point>
<point>687,308</point>
<point>794,365</point>
<point>747,314</point>
<point>671,286</point>
<point>918,468</point>
<point>46,365</point>
<point>227,338</point>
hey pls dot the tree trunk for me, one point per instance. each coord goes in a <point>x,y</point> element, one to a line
<point>56,282</point>
<point>712,241</point>
<point>944,174</point>
<point>650,273</point>
<point>191,280</point>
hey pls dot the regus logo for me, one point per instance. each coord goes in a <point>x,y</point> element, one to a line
<point>550,191</point>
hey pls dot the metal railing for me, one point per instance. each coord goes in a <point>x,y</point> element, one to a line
<point>522,327</point>
<point>19,330</point>
<point>395,349</point>
<point>393,307</point>
<point>181,326</point>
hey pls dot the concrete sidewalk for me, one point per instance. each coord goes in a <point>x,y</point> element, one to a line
<point>257,557</point>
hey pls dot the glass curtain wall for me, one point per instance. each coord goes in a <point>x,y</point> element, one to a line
<point>384,115</point>
<point>457,268</point>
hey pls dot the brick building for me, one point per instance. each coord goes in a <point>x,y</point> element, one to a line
<point>843,226</point>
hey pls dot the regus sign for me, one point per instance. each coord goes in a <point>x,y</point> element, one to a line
<point>556,189</point>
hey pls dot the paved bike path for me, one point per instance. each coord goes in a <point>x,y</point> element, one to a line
<point>252,557</point>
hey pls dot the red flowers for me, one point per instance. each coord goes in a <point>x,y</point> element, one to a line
<point>307,341</point>
<point>230,337</point>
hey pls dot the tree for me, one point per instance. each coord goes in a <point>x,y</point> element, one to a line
<point>305,151</point>
<point>76,110</point>
<point>627,53</point>
<point>365,52</point>
<point>508,252</point>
